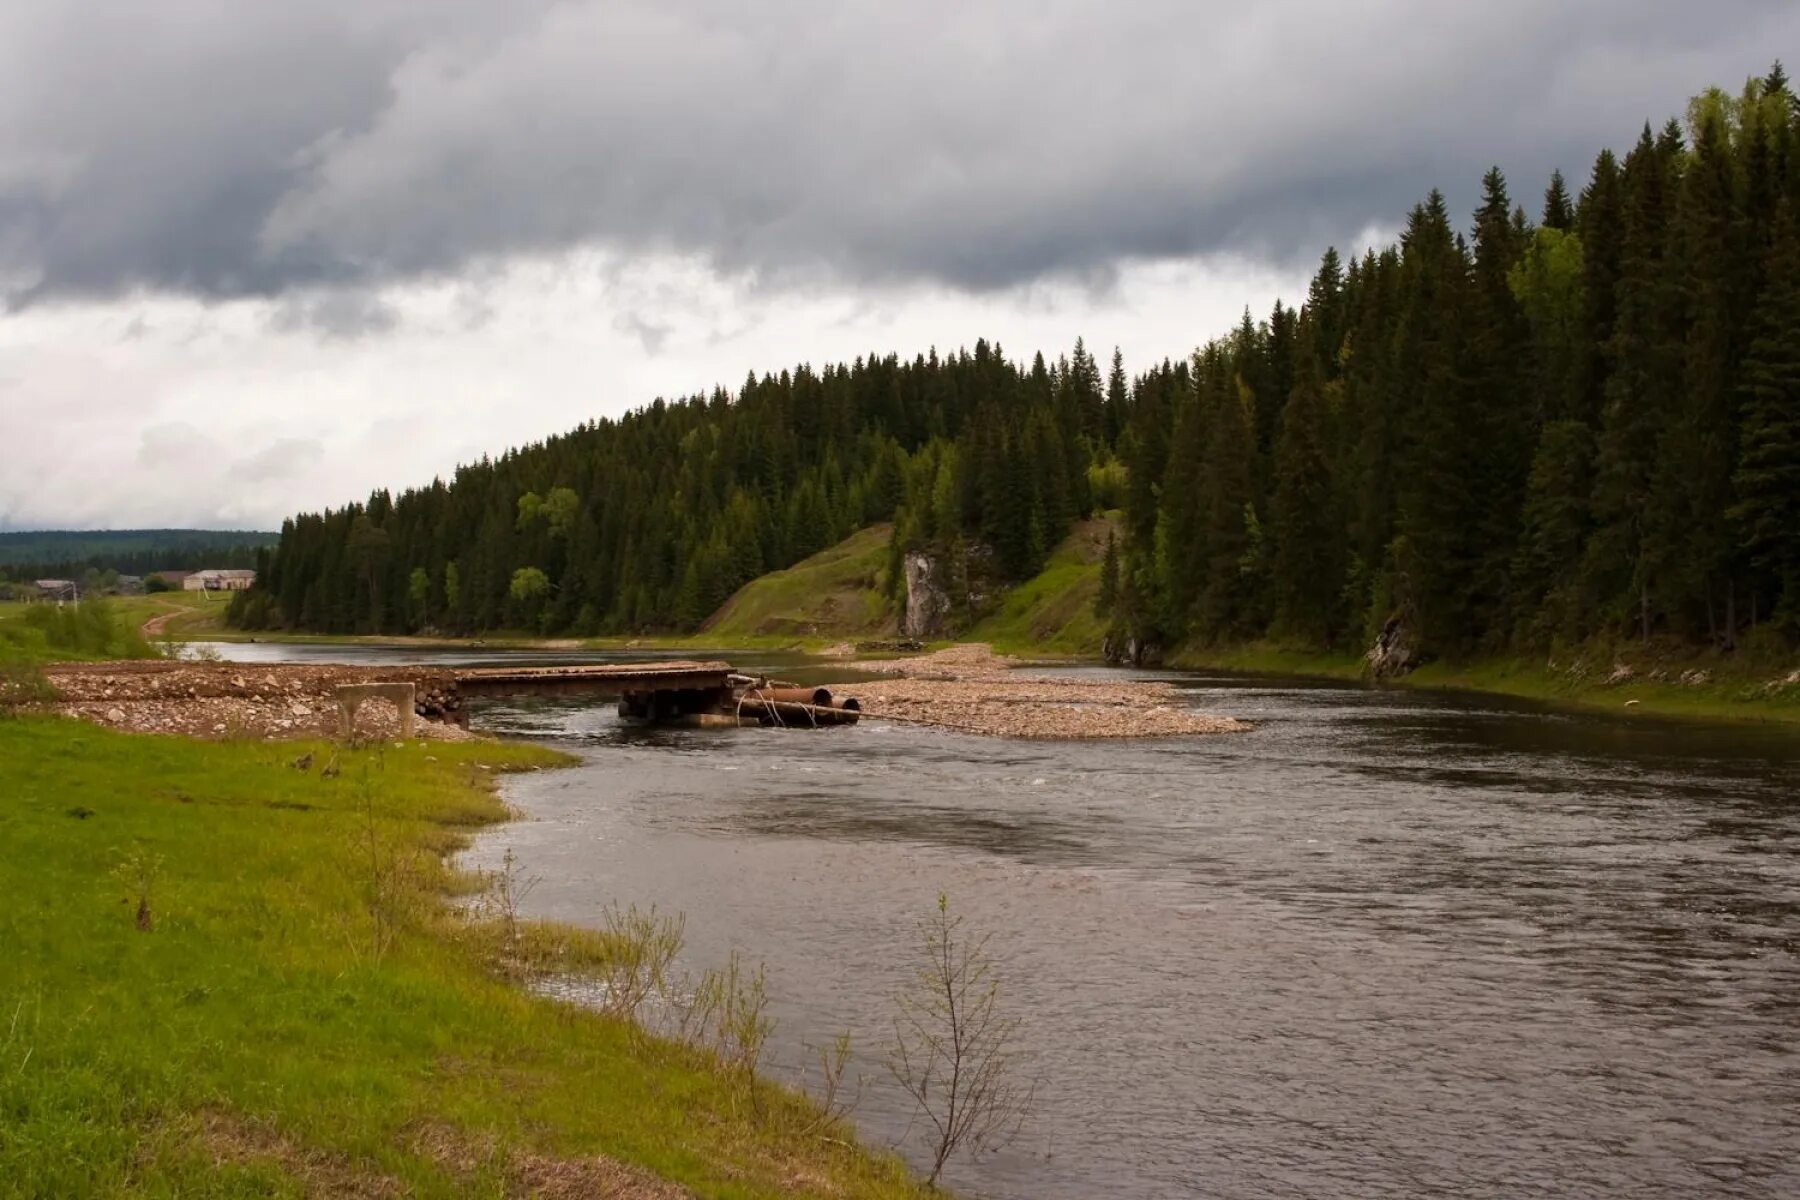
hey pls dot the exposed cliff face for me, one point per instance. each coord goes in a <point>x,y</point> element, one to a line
<point>927,609</point>
<point>1395,651</point>
<point>947,590</point>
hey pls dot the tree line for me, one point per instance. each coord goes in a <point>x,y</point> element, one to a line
<point>69,555</point>
<point>1582,422</point>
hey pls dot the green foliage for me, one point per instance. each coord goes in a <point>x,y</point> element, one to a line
<point>528,583</point>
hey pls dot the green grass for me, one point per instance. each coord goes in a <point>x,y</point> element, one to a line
<point>835,594</point>
<point>1732,689</point>
<point>1054,611</point>
<point>254,1041</point>
<point>31,634</point>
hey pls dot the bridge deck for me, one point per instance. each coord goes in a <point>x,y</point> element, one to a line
<point>606,677</point>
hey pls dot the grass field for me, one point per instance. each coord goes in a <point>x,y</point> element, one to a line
<point>307,1014</point>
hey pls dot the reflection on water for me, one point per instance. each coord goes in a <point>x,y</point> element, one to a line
<point>1387,944</point>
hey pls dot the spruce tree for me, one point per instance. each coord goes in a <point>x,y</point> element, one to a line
<point>1559,214</point>
<point>1766,484</point>
<point>1306,525</point>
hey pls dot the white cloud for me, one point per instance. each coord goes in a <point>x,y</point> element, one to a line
<point>164,411</point>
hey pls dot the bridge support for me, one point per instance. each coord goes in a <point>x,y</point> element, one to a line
<point>351,695</point>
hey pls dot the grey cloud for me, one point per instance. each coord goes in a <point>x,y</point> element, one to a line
<point>224,149</point>
<point>337,312</point>
<point>283,458</point>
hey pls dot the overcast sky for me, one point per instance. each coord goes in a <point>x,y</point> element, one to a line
<point>262,257</point>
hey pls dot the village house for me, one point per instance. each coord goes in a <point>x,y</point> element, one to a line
<point>218,581</point>
<point>57,589</point>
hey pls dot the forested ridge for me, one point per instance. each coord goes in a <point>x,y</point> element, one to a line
<point>1553,427</point>
<point>57,553</point>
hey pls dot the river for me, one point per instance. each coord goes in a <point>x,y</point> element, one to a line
<point>1389,943</point>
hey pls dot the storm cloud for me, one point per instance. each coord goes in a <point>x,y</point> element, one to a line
<point>217,149</point>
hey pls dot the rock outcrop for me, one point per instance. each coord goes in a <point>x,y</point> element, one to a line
<point>1130,650</point>
<point>1395,651</point>
<point>927,599</point>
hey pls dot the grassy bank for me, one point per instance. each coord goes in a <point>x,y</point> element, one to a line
<point>1655,682</point>
<point>306,1012</point>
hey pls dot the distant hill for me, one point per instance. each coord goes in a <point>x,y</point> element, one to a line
<point>133,551</point>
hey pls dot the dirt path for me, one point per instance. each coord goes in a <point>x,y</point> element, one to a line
<point>157,625</point>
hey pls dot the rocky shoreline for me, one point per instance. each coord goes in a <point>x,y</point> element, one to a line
<point>217,700</point>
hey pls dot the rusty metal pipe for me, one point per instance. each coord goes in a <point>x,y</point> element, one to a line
<point>821,697</point>
<point>788,712</point>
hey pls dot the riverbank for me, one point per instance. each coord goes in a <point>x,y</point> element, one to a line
<point>1634,682</point>
<point>1661,681</point>
<point>228,975</point>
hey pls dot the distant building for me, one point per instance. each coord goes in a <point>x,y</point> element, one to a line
<point>57,589</point>
<point>129,585</point>
<point>174,579</point>
<point>218,581</point>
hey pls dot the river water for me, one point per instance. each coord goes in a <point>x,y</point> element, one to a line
<point>1389,943</point>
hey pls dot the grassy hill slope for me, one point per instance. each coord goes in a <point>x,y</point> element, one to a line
<point>1054,612</point>
<point>835,593</point>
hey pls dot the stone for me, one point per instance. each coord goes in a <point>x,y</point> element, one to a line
<point>115,715</point>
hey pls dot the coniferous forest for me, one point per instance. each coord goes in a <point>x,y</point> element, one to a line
<point>1576,415</point>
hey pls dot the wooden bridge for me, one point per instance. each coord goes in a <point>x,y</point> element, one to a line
<point>698,693</point>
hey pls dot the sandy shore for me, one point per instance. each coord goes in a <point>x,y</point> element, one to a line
<point>972,689</point>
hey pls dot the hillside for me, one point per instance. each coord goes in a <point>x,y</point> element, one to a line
<point>1054,610</point>
<point>838,593</point>
<point>835,593</point>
